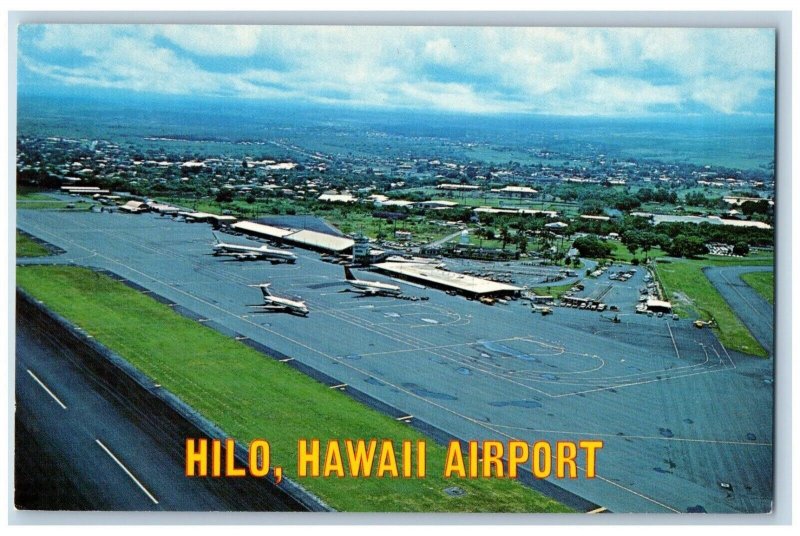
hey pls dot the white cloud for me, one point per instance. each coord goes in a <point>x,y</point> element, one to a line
<point>441,51</point>
<point>542,70</point>
<point>214,40</point>
<point>727,96</point>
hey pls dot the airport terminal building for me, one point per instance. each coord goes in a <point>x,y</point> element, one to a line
<point>442,279</point>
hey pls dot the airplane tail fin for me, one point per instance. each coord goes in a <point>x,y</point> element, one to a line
<point>264,289</point>
<point>348,275</point>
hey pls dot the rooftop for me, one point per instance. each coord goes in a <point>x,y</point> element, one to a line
<point>465,283</point>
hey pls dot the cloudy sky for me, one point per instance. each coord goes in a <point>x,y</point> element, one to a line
<point>559,71</point>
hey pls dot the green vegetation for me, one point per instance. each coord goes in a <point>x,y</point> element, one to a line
<point>26,194</point>
<point>621,253</point>
<point>362,222</point>
<point>593,247</point>
<point>763,283</point>
<point>37,200</point>
<point>766,258</point>
<point>688,288</point>
<point>555,291</point>
<point>348,218</point>
<point>29,248</point>
<point>249,395</point>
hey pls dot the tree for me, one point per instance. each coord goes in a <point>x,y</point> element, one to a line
<point>686,246</point>
<point>522,242</point>
<point>591,246</point>
<point>224,196</point>
<point>592,207</point>
<point>752,207</point>
<point>741,248</point>
<point>647,240</point>
<point>505,236</point>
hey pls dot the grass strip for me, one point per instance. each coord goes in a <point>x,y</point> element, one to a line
<point>763,283</point>
<point>252,396</point>
<point>29,248</point>
<point>689,289</point>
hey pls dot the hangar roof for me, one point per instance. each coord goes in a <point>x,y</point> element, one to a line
<point>261,229</point>
<point>465,283</point>
<point>321,240</point>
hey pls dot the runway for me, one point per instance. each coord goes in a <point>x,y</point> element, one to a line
<point>678,413</point>
<point>81,446</point>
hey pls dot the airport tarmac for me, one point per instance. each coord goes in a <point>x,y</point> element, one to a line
<point>687,425</point>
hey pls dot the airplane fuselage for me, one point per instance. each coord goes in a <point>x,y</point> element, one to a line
<point>374,287</point>
<point>286,305</point>
<point>276,303</point>
<point>254,253</point>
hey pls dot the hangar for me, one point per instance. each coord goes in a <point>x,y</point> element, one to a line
<point>134,207</point>
<point>214,219</point>
<point>307,239</point>
<point>438,278</point>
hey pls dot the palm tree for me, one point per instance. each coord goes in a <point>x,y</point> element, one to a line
<point>505,236</point>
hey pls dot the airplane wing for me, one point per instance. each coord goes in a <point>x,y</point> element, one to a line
<point>248,256</point>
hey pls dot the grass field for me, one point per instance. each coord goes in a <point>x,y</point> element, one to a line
<point>34,199</point>
<point>689,289</point>
<point>28,248</point>
<point>621,253</point>
<point>51,204</point>
<point>763,283</point>
<point>33,195</point>
<point>250,395</point>
<point>556,291</point>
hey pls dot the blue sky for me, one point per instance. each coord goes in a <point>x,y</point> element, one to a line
<point>556,71</point>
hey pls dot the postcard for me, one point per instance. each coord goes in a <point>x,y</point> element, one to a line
<point>395,269</point>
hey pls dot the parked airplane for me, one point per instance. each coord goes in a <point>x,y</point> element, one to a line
<point>252,253</point>
<point>370,288</point>
<point>275,303</point>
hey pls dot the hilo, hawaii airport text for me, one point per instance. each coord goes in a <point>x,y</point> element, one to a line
<point>384,458</point>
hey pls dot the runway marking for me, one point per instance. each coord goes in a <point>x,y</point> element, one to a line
<point>49,392</point>
<point>727,354</point>
<point>643,437</point>
<point>643,382</point>
<point>674,344</point>
<point>136,480</point>
<point>736,290</point>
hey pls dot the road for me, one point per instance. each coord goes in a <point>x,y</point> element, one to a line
<point>80,446</point>
<point>754,311</point>
<point>448,238</point>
